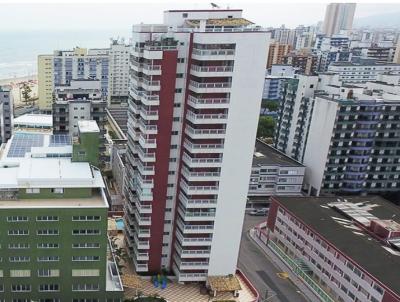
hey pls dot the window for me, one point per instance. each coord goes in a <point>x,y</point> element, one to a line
<point>17,218</point>
<point>184,15</point>
<point>19,259</point>
<point>20,288</point>
<point>86,218</point>
<point>20,273</point>
<point>48,258</point>
<point>86,232</point>
<point>85,258</point>
<point>48,246</point>
<point>178,90</point>
<point>33,191</point>
<point>57,190</point>
<point>18,246</point>
<point>85,273</point>
<point>47,232</point>
<point>46,218</point>
<point>48,273</point>
<point>18,232</point>
<point>85,245</point>
<point>49,287</point>
<point>85,287</point>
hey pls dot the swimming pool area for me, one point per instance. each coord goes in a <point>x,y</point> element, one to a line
<point>120,223</point>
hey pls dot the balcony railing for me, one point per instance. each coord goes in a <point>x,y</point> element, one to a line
<point>197,202</point>
<point>190,145</point>
<point>213,52</point>
<point>211,68</point>
<point>198,117</point>
<point>211,85</point>
<point>187,159</point>
<point>210,101</point>
<point>190,130</point>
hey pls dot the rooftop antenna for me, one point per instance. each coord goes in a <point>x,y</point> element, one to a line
<point>213,5</point>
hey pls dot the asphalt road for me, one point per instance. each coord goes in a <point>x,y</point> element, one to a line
<point>262,272</point>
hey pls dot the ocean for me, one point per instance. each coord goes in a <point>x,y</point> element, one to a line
<point>19,50</point>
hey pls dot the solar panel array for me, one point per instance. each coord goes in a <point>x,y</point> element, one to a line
<point>58,140</point>
<point>23,142</point>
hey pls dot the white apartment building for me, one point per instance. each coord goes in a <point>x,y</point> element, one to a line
<point>118,80</point>
<point>190,139</point>
<point>6,113</point>
<point>338,16</point>
<point>361,73</point>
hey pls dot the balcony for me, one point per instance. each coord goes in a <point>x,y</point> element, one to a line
<point>195,229</point>
<point>145,156</point>
<point>135,65</point>
<point>190,265</point>
<point>200,176</point>
<point>201,103</point>
<point>151,69</point>
<point>141,244</point>
<point>218,87</point>
<point>150,99</point>
<point>150,85</point>
<point>140,267</point>
<point>134,108</point>
<point>211,71</point>
<point>145,170</point>
<point>192,253</point>
<point>193,241</point>
<point>203,148</point>
<point>204,133</point>
<point>142,220</point>
<point>147,129</point>
<point>147,142</point>
<point>144,195</point>
<point>213,54</point>
<point>150,115</point>
<point>195,118</point>
<point>195,203</point>
<point>201,215</point>
<point>201,162</point>
<point>195,190</point>
<point>140,256</point>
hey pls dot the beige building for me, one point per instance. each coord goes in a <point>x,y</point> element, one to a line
<point>338,16</point>
<point>396,58</point>
<point>277,52</point>
<point>45,82</point>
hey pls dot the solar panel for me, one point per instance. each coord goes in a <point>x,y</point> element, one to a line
<point>23,142</point>
<point>58,140</point>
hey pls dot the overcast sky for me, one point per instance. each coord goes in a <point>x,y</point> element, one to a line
<point>120,16</point>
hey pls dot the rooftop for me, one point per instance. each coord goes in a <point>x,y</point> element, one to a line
<point>88,127</point>
<point>34,120</point>
<point>267,155</point>
<point>322,214</point>
<point>221,22</point>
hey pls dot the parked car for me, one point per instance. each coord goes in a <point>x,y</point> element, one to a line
<point>259,212</point>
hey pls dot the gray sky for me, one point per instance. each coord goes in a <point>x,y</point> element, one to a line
<point>120,16</point>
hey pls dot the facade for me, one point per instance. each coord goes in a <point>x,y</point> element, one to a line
<point>80,100</point>
<point>6,114</point>
<point>275,81</point>
<point>274,174</point>
<point>294,112</point>
<point>334,244</point>
<point>361,73</point>
<point>186,119</point>
<point>380,55</point>
<point>118,81</point>
<point>66,65</point>
<point>306,63</point>
<point>338,16</point>
<point>54,221</point>
<point>276,53</point>
<point>351,146</point>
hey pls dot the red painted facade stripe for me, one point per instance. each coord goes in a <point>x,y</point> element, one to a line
<point>163,138</point>
<point>181,146</point>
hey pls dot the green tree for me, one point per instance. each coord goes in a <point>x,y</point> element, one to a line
<point>266,127</point>
<point>271,105</point>
<point>26,93</point>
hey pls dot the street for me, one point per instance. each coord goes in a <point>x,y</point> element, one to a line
<point>261,271</point>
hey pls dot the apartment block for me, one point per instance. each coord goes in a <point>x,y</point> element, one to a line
<point>186,121</point>
<point>54,221</point>
<point>6,113</point>
<point>305,62</point>
<point>343,248</point>
<point>352,143</point>
<point>274,174</point>
<point>275,81</point>
<point>118,81</point>
<point>80,100</point>
<point>360,72</point>
<point>338,16</point>
<point>66,65</point>
<point>276,53</point>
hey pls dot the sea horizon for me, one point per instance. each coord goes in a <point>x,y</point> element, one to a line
<point>18,55</point>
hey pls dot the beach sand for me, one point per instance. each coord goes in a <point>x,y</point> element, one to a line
<point>16,85</point>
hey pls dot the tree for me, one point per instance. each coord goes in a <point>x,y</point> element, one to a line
<point>266,127</point>
<point>26,93</point>
<point>271,105</point>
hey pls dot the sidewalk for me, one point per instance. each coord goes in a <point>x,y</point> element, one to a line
<point>307,293</point>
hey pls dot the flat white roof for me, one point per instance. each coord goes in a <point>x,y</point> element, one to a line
<point>34,120</point>
<point>88,126</point>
